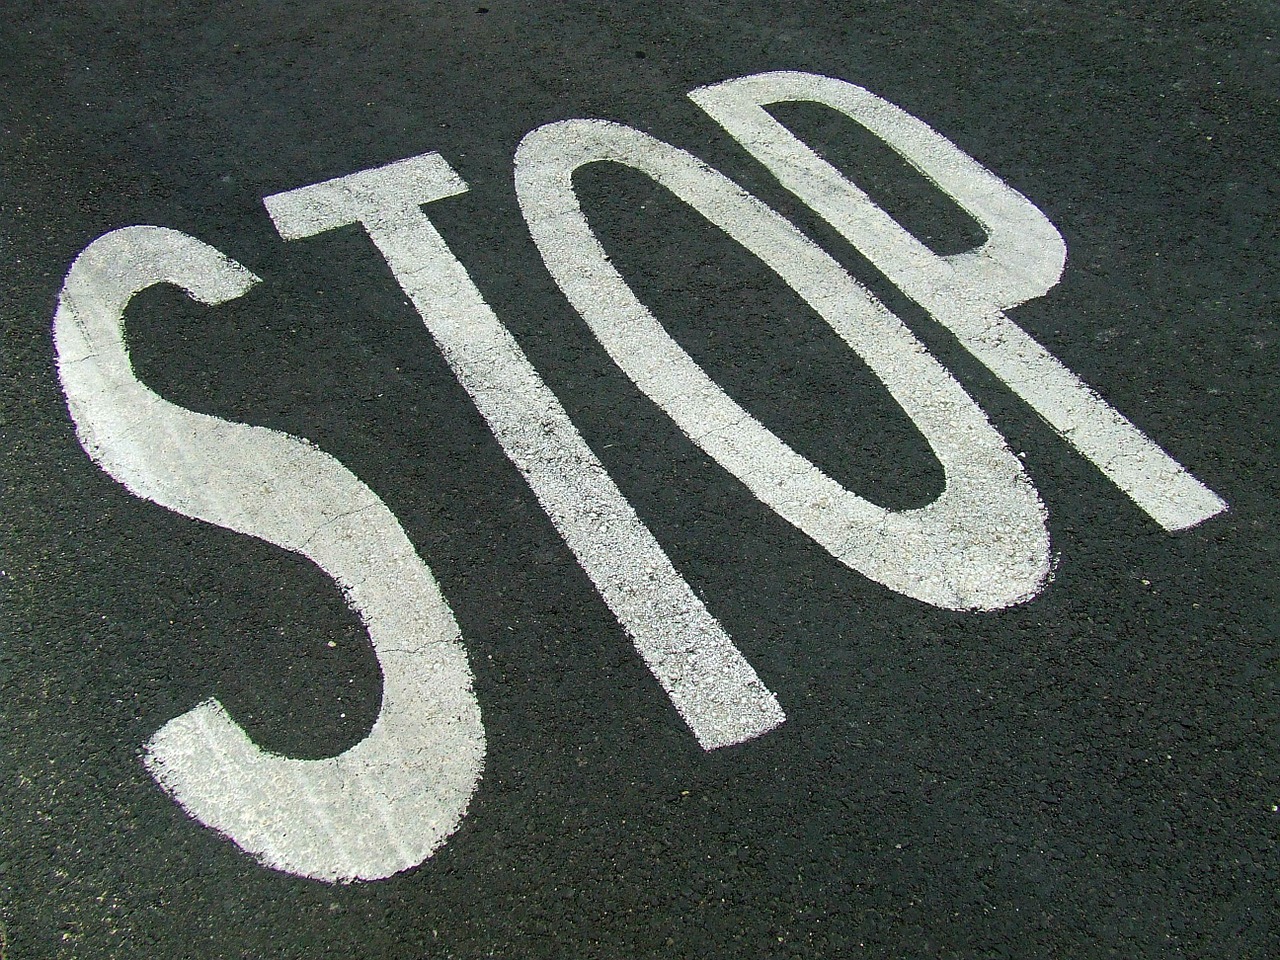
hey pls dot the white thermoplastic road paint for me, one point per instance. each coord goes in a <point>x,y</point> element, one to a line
<point>709,682</point>
<point>1022,258</point>
<point>388,802</point>
<point>982,544</point>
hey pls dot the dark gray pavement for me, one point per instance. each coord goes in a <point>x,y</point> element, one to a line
<point>1094,773</point>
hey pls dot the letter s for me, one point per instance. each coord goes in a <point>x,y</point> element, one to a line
<point>388,802</point>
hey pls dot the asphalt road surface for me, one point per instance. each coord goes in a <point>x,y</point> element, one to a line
<point>632,539</point>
